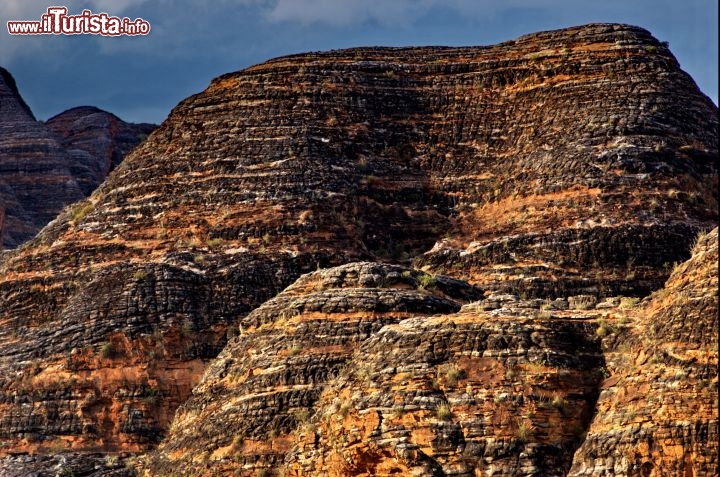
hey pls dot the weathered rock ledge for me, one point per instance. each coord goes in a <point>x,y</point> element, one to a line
<point>389,188</point>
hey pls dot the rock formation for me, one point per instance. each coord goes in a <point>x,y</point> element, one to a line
<point>328,378</point>
<point>288,350</point>
<point>44,167</point>
<point>552,174</point>
<point>35,180</point>
<point>412,382</point>
<point>97,142</point>
<point>658,413</point>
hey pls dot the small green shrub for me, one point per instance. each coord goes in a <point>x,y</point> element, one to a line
<point>111,461</point>
<point>524,431</point>
<point>603,329</point>
<point>107,350</point>
<point>426,282</point>
<point>238,443</point>
<point>344,410</point>
<point>559,402</point>
<point>601,372</point>
<point>215,242</point>
<point>453,374</point>
<point>82,210</point>
<point>544,315</point>
<point>443,412</point>
<point>186,328</point>
<point>302,416</point>
<point>372,180</point>
<point>628,302</point>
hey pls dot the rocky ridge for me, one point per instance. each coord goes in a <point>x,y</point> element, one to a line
<point>35,181</point>
<point>97,141</point>
<point>288,350</point>
<point>370,369</point>
<point>658,413</point>
<point>500,386</point>
<point>559,170</point>
<point>46,166</point>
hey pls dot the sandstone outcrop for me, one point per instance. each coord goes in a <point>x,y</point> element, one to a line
<point>368,369</point>
<point>35,179</point>
<point>264,386</point>
<point>44,167</point>
<point>552,174</point>
<point>97,141</point>
<point>658,413</point>
<point>327,379</point>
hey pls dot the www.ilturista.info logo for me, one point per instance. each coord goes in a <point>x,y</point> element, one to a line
<point>57,22</point>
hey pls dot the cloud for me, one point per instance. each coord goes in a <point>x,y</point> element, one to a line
<point>385,12</point>
<point>31,10</point>
<point>405,12</point>
<point>114,7</point>
<point>346,12</point>
<point>177,14</point>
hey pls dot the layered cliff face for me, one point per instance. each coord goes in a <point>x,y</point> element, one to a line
<point>97,142</point>
<point>331,378</point>
<point>264,387</point>
<point>549,173</point>
<point>35,179</point>
<point>368,369</point>
<point>44,167</point>
<point>658,413</point>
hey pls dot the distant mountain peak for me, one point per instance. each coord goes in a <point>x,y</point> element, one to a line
<point>44,167</point>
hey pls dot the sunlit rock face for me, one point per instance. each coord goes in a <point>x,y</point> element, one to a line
<point>376,261</point>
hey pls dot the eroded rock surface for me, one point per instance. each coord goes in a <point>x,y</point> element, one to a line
<point>263,388</point>
<point>658,413</point>
<point>35,178</point>
<point>368,369</point>
<point>554,173</point>
<point>97,141</point>
<point>46,166</point>
<point>472,393</point>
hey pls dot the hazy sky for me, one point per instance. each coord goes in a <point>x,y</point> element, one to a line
<point>142,78</point>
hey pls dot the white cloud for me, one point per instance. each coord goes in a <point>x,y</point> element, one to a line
<point>179,14</point>
<point>390,12</point>
<point>337,13</point>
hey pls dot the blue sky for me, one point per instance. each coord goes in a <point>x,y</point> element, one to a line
<point>142,78</point>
